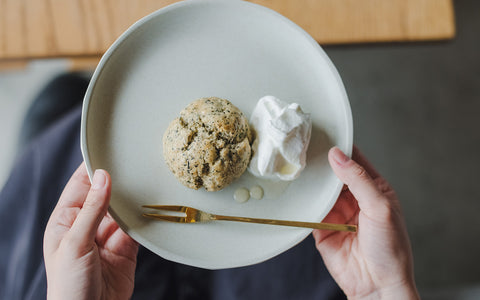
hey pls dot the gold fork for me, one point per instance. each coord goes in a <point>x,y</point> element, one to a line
<point>193,215</point>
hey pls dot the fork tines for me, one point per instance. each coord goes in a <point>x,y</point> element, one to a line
<point>167,207</point>
<point>166,218</point>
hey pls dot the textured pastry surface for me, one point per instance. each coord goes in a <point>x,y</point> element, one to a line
<point>209,145</point>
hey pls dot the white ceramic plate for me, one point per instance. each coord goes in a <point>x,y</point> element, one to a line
<point>229,49</point>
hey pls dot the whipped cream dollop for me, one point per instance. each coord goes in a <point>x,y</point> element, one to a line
<point>282,136</point>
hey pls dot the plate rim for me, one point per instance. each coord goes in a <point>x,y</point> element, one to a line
<point>348,148</point>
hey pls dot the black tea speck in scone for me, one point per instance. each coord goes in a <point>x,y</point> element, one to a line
<point>208,145</point>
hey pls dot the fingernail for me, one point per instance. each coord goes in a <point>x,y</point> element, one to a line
<point>339,156</point>
<point>99,180</point>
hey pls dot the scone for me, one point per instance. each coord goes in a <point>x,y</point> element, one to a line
<point>209,145</point>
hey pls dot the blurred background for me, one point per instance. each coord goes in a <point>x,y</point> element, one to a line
<point>412,73</point>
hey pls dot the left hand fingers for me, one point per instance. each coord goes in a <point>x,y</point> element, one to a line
<point>76,189</point>
<point>84,229</point>
<point>67,208</point>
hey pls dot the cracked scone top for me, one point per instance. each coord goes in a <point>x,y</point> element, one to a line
<point>208,145</point>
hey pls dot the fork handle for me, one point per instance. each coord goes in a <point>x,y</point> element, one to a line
<point>327,226</point>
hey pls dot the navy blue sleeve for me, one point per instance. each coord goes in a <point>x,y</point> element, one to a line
<point>26,202</point>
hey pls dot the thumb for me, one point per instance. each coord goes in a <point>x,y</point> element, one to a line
<point>358,180</point>
<point>84,229</point>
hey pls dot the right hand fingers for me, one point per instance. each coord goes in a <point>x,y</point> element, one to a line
<point>358,180</point>
<point>358,157</point>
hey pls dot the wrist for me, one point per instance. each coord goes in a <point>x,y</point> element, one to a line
<point>400,292</point>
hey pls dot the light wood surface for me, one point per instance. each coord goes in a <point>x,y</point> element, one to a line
<point>66,28</point>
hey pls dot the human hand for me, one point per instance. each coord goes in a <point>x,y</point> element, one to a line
<point>87,255</point>
<point>376,262</point>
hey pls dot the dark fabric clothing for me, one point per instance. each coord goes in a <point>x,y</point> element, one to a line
<point>58,97</point>
<point>32,191</point>
<point>26,201</point>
